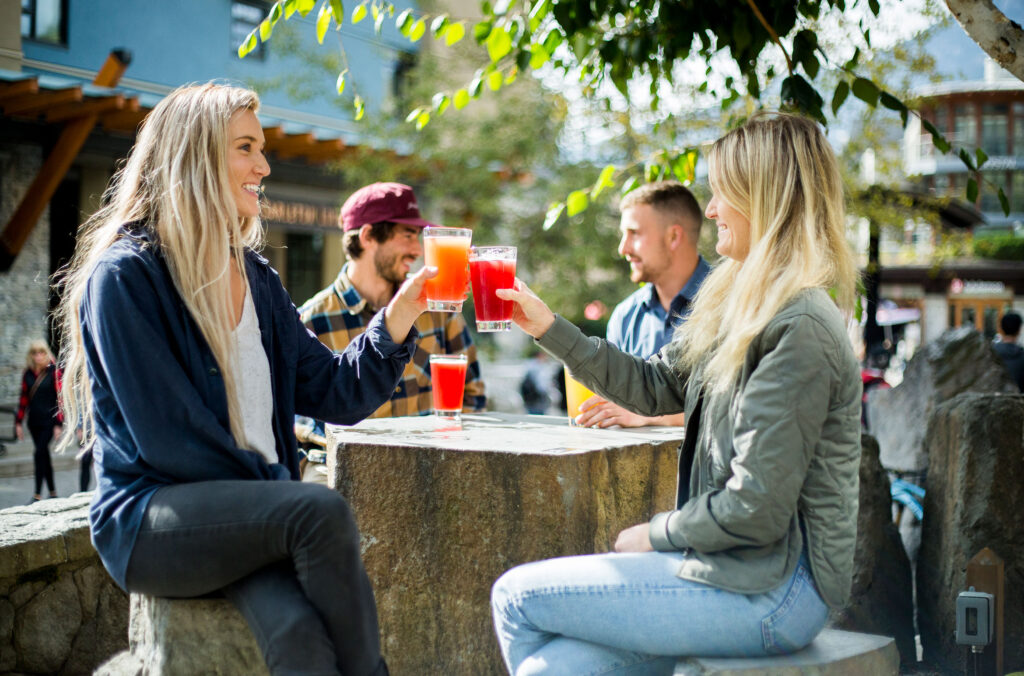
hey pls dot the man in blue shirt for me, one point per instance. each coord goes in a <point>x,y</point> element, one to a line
<point>660,228</point>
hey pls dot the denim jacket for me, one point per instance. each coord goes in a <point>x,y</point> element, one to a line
<point>779,450</point>
<point>159,399</point>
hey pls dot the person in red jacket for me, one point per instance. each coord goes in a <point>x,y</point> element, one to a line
<point>40,389</point>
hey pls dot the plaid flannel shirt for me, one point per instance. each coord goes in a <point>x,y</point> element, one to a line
<point>338,314</point>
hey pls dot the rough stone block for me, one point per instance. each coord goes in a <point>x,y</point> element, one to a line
<point>832,653</point>
<point>45,627</point>
<point>442,517</point>
<point>974,500</point>
<point>181,637</point>
<point>881,599</point>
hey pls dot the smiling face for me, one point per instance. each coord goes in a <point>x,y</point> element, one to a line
<point>247,165</point>
<point>643,243</point>
<point>394,258</point>
<point>733,229</point>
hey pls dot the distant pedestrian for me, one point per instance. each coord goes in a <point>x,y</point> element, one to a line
<point>40,387</point>
<point>1008,350</point>
<point>534,387</point>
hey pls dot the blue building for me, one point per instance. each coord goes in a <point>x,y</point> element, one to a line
<point>50,54</point>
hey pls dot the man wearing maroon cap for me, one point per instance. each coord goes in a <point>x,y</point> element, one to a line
<point>382,227</point>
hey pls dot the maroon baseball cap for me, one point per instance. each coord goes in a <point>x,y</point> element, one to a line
<point>379,202</point>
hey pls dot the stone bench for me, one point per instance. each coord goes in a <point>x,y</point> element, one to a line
<point>189,636</point>
<point>181,637</point>
<point>832,653</point>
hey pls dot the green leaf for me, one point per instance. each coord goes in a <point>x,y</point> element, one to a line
<point>404,22</point>
<point>455,32</point>
<point>842,91</point>
<point>494,80</point>
<point>340,85</point>
<point>378,21</point>
<point>1003,202</point>
<point>630,185</point>
<point>338,10</point>
<point>866,91</point>
<point>461,99</point>
<point>891,102</point>
<point>966,159</point>
<point>538,56</point>
<point>798,93</point>
<point>684,167</point>
<point>323,22</point>
<point>603,181</point>
<point>554,211</point>
<point>359,13</point>
<point>482,31</point>
<point>441,102</point>
<point>422,120</point>
<point>375,11</point>
<point>576,202</point>
<point>972,190</point>
<point>305,6</point>
<point>873,6</point>
<point>476,86</point>
<point>512,74</point>
<point>413,115</point>
<point>289,8</point>
<point>499,44</point>
<point>266,28</point>
<point>539,10</point>
<point>981,155</point>
<point>247,45</point>
<point>275,13</point>
<point>418,29</point>
<point>360,107</point>
<point>439,25</point>
<point>938,140</point>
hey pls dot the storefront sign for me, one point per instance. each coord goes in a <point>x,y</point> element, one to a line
<point>298,213</point>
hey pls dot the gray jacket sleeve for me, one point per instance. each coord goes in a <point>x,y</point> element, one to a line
<point>650,388</point>
<point>777,415</point>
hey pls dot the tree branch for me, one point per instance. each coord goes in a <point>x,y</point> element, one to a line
<point>771,32</point>
<point>1001,38</point>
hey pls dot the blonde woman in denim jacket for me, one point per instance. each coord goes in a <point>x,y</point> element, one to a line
<point>761,539</point>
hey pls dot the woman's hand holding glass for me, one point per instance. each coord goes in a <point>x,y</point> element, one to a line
<point>407,304</point>
<point>530,313</point>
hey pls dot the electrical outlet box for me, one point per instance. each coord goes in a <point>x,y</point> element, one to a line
<point>975,617</point>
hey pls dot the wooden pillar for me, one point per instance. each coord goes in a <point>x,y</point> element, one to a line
<point>56,166</point>
<point>985,572</point>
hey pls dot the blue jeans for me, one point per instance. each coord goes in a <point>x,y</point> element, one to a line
<point>630,614</point>
<point>285,553</point>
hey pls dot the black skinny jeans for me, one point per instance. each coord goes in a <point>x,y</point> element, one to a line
<point>285,553</point>
<point>41,438</point>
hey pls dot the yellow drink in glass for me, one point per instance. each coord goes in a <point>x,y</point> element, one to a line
<point>575,395</point>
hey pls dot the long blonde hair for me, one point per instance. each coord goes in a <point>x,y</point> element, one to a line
<point>779,171</point>
<point>176,183</point>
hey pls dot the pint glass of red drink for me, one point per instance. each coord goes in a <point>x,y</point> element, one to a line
<point>448,380</point>
<point>447,249</point>
<point>492,268</point>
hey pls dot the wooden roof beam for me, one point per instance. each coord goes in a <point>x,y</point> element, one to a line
<point>91,106</point>
<point>292,145</point>
<point>29,104</point>
<point>11,89</point>
<point>126,120</point>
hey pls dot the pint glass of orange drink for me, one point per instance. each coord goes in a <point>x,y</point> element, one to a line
<point>447,249</point>
<point>575,394</point>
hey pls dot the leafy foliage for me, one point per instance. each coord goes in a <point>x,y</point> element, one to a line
<point>1000,247</point>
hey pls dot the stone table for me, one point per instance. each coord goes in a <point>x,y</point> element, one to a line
<point>445,509</point>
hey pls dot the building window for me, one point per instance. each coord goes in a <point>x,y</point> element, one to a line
<point>1018,129</point>
<point>942,119</point>
<point>965,126</point>
<point>45,21</point>
<point>245,18</point>
<point>994,118</point>
<point>1017,194</point>
<point>989,190</point>
<point>303,263</point>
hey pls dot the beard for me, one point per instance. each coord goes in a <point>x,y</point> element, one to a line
<point>387,266</point>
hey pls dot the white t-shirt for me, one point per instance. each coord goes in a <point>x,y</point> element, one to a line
<point>252,370</point>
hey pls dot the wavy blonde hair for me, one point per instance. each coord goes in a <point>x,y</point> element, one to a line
<point>176,183</point>
<point>37,345</point>
<point>779,171</point>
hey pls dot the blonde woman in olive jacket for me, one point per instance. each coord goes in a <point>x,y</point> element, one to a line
<point>761,539</point>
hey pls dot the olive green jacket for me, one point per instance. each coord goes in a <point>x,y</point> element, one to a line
<point>780,447</point>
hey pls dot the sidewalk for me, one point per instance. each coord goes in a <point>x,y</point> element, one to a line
<point>17,474</point>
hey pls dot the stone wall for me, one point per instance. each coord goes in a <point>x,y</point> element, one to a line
<point>60,612</point>
<point>974,500</point>
<point>23,288</point>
